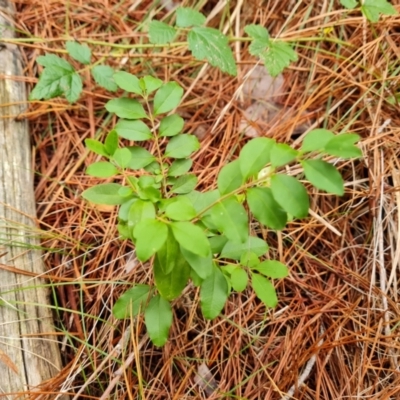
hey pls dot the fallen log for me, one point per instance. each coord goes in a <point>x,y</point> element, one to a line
<point>29,352</point>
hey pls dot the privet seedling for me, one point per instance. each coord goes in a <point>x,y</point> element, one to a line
<point>202,237</point>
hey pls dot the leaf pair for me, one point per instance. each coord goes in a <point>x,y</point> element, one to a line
<point>157,311</point>
<point>204,43</point>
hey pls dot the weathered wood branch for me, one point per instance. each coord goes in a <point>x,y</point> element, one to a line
<point>29,354</point>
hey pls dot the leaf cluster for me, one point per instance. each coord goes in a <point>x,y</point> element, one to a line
<point>202,237</point>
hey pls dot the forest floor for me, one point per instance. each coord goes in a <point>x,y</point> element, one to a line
<point>335,333</point>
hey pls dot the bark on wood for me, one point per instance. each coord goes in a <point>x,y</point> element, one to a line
<point>28,354</point>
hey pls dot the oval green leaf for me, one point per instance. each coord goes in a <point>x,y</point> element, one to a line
<point>180,167</point>
<point>203,266</point>
<point>191,238</point>
<point>140,210</point>
<point>150,236</point>
<point>265,209</point>
<point>170,285</point>
<point>282,154</point>
<point>213,294</point>
<point>167,98</point>
<point>171,125</point>
<point>140,157</point>
<point>182,146</point>
<point>105,193</point>
<point>324,176</point>
<point>181,209</point>
<point>131,302</point>
<point>264,290</point>
<point>316,140</point>
<point>128,82</point>
<point>158,320</point>
<point>133,130</point>
<point>230,177</point>
<point>290,194</point>
<point>234,250</point>
<point>230,217</point>
<point>272,269</point>
<point>239,279</point>
<point>102,169</point>
<point>255,155</point>
<point>126,108</point>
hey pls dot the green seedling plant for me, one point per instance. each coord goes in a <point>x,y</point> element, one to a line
<point>201,237</point>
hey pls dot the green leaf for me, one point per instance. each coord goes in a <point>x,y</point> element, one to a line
<point>150,236</point>
<point>161,33</point>
<point>276,54</point>
<point>170,285</point>
<point>131,302</point>
<point>316,140</point>
<point>122,157</point>
<point>257,32</point>
<point>201,201</point>
<point>180,167</point>
<point>181,209</point>
<point>282,154</point>
<point>105,193</point>
<point>168,255</point>
<point>184,184</point>
<point>203,266</point>
<point>272,269</point>
<point>79,52</point>
<point>187,17</point>
<point>123,231</point>
<point>249,259</point>
<point>140,210</point>
<point>349,4</point>
<point>343,146</point>
<point>324,176</point>
<point>123,211</point>
<point>234,250</point>
<point>264,290</point>
<point>197,281</point>
<point>150,193</point>
<point>57,78</point>
<point>140,157</point>
<point>126,108</point>
<point>230,217</point>
<point>96,146</point>
<point>230,177</point>
<point>290,194</point>
<point>372,8</point>
<point>171,125</point>
<point>217,243</point>
<point>255,155</point>
<point>212,45</point>
<point>191,238</point>
<point>55,63</point>
<point>71,85</point>
<point>182,146</point>
<point>167,98</point>
<point>133,130</point>
<point>101,169</point>
<point>265,209</point>
<point>128,82</point>
<point>239,279</point>
<point>111,142</point>
<point>103,76</point>
<point>277,57</point>
<point>47,87</point>
<point>213,294</point>
<point>150,83</point>
<point>158,320</point>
